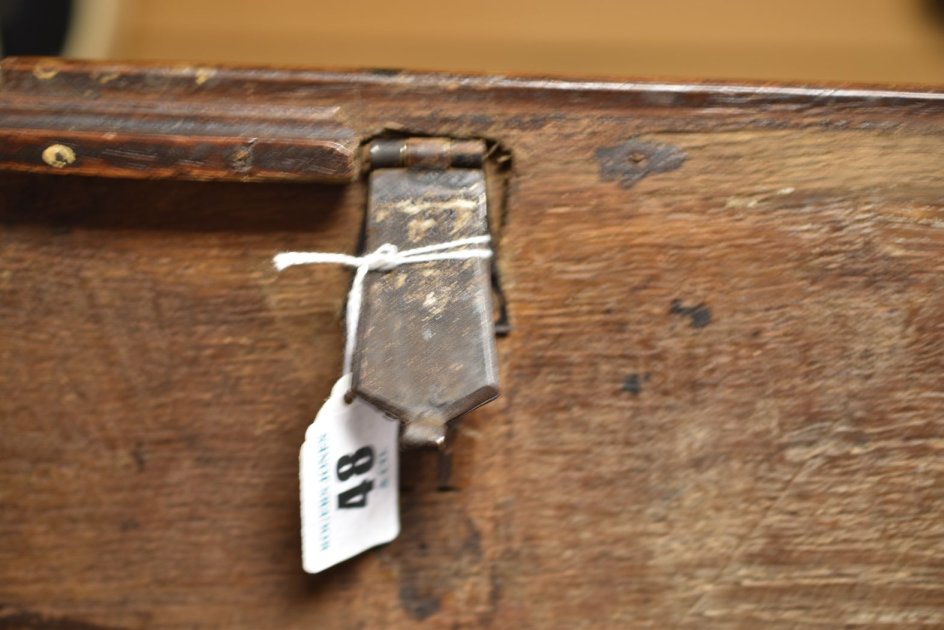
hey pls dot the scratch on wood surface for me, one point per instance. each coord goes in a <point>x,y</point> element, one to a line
<point>735,554</point>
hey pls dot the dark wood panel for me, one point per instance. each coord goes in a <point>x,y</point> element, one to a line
<point>67,117</point>
<point>721,394</point>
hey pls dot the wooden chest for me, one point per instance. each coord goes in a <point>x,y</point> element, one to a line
<point>722,383</point>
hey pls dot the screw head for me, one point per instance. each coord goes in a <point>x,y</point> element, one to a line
<point>58,155</point>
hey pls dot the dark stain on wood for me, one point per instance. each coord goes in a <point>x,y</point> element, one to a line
<point>140,459</point>
<point>629,162</point>
<point>699,314</point>
<point>384,72</point>
<point>12,618</point>
<point>435,526</point>
<point>419,604</point>
<point>531,122</point>
<point>633,383</point>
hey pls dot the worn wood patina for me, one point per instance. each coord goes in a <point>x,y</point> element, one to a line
<point>721,393</point>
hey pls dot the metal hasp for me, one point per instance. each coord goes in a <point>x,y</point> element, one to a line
<point>426,339</point>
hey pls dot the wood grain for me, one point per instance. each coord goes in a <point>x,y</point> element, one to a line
<point>721,397</point>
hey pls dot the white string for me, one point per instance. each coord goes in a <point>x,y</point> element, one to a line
<point>384,258</point>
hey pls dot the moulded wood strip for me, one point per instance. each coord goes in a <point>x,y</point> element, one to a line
<point>110,154</point>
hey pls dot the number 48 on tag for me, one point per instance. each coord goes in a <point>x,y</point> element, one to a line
<point>360,462</point>
<point>353,507</point>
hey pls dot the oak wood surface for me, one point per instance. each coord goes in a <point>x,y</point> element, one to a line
<point>722,391</point>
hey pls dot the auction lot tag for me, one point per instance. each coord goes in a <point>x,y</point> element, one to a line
<point>348,477</point>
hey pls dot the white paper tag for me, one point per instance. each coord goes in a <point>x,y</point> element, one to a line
<point>348,475</point>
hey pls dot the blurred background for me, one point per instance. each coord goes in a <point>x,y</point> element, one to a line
<point>873,41</point>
